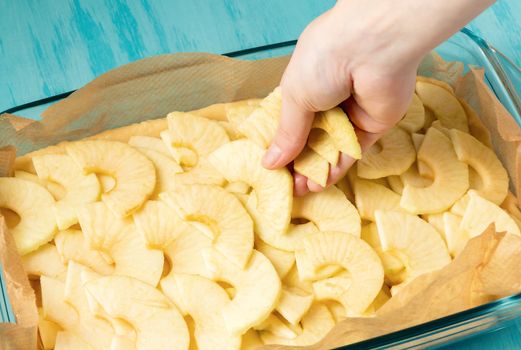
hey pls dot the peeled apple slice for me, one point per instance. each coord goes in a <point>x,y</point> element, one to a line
<point>273,102</point>
<point>237,112</point>
<point>149,143</point>
<point>134,173</point>
<point>47,331</point>
<point>329,210</point>
<point>493,176</point>
<point>480,213</point>
<point>238,187</point>
<point>282,260</point>
<point>442,84</point>
<point>393,154</point>
<point>337,125</point>
<point>345,186</point>
<point>219,215</point>
<point>124,332</point>
<point>460,206</point>
<point>54,306</point>
<point>413,241</point>
<point>293,304</point>
<point>95,331</point>
<point>257,288</point>
<point>57,191</point>
<point>185,253</point>
<point>414,178</point>
<point>166,171</point>
<point>241,161</point>
<point>315,325</point>
<point>380,300</point>
<point>102,229</point>
<point>133,259</point>
<point>417,140</point>
<point>451,179</point>
<point>70,340</point>
<point>232,132</point>
<point>436,221</point>
<point>44,261</point>
<point>455,236</point>
<point>292,280</point>
<point>351,253</point>
<point>370,197</point>
<point>157,322</point>
<point>444,104</point>
<point>320,142</point>
<point>200,135</point>
<point>72,246</point>
<point>190,139</point>
<point>259,127</point>
<point>203,300</point>
<point>414,118</point>
<point>276,326</point>
<point>429,118</point>
<point>158,224</point>
<point>33,204</point>
<point>394,270</point>
<point>119,239</point>
<point>79,188</point>
<point>251,340</point>
<point>261,124</point>
<point>312,165</point>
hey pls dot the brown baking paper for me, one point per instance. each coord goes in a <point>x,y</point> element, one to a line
<point>148,89</point>
<point>22,297</point>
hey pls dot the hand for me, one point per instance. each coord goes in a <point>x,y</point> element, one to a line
<point>362,55</point>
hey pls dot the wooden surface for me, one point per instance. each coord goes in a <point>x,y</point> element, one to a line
<point>48,47</point>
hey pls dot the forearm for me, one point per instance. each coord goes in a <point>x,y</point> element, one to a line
<point>403,31</point>
<point>435,21</point>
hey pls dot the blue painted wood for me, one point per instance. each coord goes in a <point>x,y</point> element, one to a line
<point>49,47</point>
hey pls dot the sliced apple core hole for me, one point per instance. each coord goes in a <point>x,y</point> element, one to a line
<point>330,270</point>
<point>187,156</point>
<point>377,147</point>
<point>230,290</point>
<point>107,182</point>
<point>191,329</point>
<point>11,218</point>
<point>167,267</point>
<point>299,221</point>
<point>204,224</point>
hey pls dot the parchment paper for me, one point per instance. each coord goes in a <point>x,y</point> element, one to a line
<point>487,269</point>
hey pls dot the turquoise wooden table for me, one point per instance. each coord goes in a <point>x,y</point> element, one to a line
<point>51,47</point>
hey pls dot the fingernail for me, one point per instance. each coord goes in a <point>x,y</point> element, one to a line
<point>272,156</point>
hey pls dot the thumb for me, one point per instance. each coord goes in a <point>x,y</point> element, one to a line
<point>291,136</point>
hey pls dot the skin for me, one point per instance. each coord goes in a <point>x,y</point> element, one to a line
<point>361,55</point>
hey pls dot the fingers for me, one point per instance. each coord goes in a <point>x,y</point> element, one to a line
<point>291,135</point>
<point>304,185</point>
<point>314,187</point>
<point>300,185</point>
<point>364,121</point>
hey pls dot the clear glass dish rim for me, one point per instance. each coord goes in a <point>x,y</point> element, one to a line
<point>469,321</point>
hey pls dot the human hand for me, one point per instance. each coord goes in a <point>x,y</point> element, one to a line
<point>362,55</point>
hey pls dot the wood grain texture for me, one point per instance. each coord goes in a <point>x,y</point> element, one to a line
<point>49,47</point>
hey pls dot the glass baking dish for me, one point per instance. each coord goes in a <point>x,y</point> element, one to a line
<point>504,78</point>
